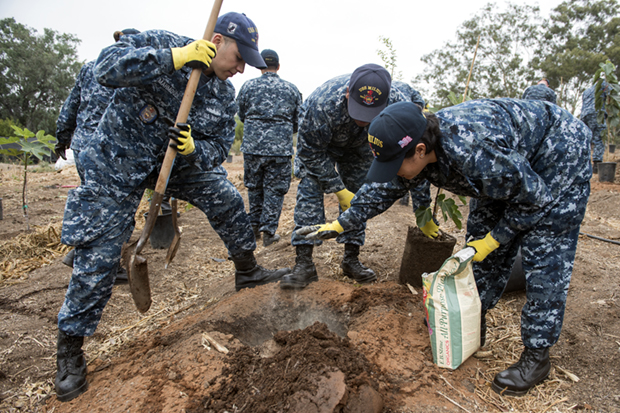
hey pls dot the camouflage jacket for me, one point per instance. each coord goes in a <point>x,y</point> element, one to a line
<point>407,90</point>
<point>325,125</point>
<point>588,101</point>
<point>269,109</point>
<point>132,137</point>
<point>81,112</point>
<point>540,92</point>
<point>526,153</point>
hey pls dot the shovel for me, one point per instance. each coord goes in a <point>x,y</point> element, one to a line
<point>174,246</point>
<point>137,269</point>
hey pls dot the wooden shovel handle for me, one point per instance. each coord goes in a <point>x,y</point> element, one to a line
<point>186,103</point>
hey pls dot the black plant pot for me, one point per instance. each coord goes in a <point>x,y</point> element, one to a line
<point>606,171</point>
<point>612,148</point>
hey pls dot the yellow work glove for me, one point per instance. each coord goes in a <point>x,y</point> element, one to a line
<point>344,199</point>
<point>430,229</point>
<point>483,247</point>
<point>197,54</point>
<point>323,231</point>
<point>182,137</point>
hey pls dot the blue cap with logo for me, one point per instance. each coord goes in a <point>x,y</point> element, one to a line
<point>369,91</point>
<point>239,27</point>
<point>270,57</point>
<point>391,135</point>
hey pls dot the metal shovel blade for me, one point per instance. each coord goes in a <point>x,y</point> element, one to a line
<point>137,268</point>
<point>138,276</point>
<point>176,241</point>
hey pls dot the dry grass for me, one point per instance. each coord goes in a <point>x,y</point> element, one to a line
<point>27,252</point>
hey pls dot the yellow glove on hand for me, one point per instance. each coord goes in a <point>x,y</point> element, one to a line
<point>430,229</point>
<point>323,231</point>
<point>182,137</point>
<point>483,247</point>
<point>197,54</point>
<point>344,199</point>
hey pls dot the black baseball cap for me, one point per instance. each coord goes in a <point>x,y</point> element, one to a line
<point>239,27</point>
<point>396,130</point>
<point>270,57</point>
<point>369,91</point>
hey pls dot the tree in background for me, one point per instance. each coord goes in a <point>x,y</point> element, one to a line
<point>579,35</point>
<point>388,57</point>
<point>37,73</point>
<point>508,40</point>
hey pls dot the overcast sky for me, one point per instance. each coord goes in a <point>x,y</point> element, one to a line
<point>316,40</point>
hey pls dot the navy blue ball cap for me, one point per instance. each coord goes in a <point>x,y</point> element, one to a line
<point>270,57</point>
<point>396,130</point>
<point>239,27</point>
<point>369,91</point>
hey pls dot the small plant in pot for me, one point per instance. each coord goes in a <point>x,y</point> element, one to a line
<point>607,97</point>
<point>422,253</point>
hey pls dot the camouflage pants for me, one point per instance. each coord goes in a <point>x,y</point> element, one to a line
<point>548,255</point>
<point>268,179</point>
<point>598,147</point>
<point>97,225</point>
<point>352,167</point>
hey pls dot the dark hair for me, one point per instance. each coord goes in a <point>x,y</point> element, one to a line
<point>431,135</point>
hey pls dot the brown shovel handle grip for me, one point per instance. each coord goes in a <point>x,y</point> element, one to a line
<point>186,103</point>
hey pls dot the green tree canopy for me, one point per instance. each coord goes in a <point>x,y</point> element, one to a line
<point>508,40</point>
<point>579,35</point>
<point>37,73</point>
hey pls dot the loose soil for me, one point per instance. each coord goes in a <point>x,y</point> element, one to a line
<point>333,347</point>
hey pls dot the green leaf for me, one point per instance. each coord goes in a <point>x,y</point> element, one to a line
<point>423,215</point>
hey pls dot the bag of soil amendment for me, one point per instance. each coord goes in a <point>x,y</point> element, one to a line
<point>453,310</point>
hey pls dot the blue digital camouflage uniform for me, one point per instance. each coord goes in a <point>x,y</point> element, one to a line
<point>524,164</point>
<point>332,154</point>
<point>409,92</point>
<point>269,109</point>
<point>124,157</point>
<point>81,112</point>
<point>588,116</point>
<point>540,92</point>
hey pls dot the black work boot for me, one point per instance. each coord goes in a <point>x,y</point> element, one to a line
<point>532,368</point>
<point>304,271</point>
<point>269,239</point>
<point>248,274</point>
<point>71,365</point>
<point>353,268</point>
<point>256,232</point>
<point>68,260</point>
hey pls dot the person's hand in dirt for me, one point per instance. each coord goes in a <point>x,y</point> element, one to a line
<point>182,136</point>
<point>483,247</point>
<point>322,232</point>
<point>344,199</point>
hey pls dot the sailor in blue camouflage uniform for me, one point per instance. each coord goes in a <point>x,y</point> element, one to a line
<point>524,165</point>
<point>540,91</point>
<point>150,72</point>
<point>588,116</point>
<point>332,158</point>
<point>415,97</point>
<point>82,110</point>
<point>269,109</point>
<point>78,120</point>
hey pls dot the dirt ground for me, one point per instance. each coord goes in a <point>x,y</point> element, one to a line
<point>333,347</point>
